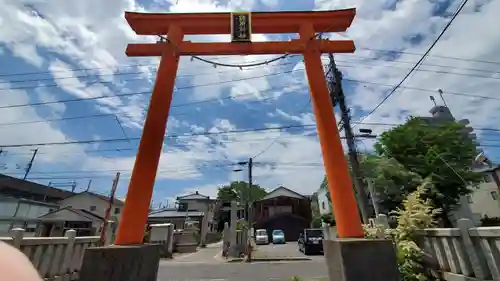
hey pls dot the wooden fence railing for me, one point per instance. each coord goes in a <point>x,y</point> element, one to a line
<point>55,258</point>
<point>463,253</point>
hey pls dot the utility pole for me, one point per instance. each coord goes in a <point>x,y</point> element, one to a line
<point>250,218</point>
<point>108,210</point>
<point>30,164</point>
<point>337,96</point>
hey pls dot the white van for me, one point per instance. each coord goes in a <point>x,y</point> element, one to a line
<point>261,237</point>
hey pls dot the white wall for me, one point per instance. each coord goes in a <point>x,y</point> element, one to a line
<point>323,202</point>
<point>8,208</point>
<point>195,205</point>
<point>480,202</point>
<point>484,200</point>
<point>26,209</point>
<point>85,201</point>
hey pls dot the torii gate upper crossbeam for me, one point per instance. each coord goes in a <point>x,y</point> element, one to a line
<point>262,22</point>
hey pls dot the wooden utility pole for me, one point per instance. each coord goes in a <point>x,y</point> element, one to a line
<point>88,186</point>
<point>108,210</point>
<point>30,164</point>
<point>247,207</point>
<point>337,96</point>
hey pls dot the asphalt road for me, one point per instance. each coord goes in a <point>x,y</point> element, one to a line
<point>207,265</point>
<point>260,271</point>
<point>290,250</point>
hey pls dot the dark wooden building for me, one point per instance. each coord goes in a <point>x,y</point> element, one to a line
<point>283,209</point>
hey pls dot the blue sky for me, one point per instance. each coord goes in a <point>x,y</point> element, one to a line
<point>76,51</point>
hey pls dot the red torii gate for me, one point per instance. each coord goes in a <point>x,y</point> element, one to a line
<point>240,25</point>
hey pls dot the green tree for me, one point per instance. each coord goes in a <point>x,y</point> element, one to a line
<point>391,181</point>
<point>238,190</point>
<point>443,152</point>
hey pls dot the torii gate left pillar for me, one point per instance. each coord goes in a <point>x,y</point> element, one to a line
<point>175,26</point>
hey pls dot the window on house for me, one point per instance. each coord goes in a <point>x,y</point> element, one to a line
<point>117,211</point>
<point>93,208</point>
<point>494,195</point>
<point>323,205</point>
<point>469,199</point>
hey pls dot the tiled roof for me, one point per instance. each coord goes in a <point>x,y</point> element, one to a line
<point>80,212</point>
<point>193,196</point>
<point>102,197</point>
<point>31,187</point>
<point>173,213</point>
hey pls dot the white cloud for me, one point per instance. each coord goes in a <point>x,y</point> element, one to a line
<point>93,34</point>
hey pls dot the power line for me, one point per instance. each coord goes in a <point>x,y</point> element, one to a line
<point>98,115</point>
<point>168,136</point>
<point>87,69</point>
<point>149,92</point>
<point>105,75</point>
<point>419,61</point>
<point>279,136</point>
<point>436,56</point>
<point>411,62</point>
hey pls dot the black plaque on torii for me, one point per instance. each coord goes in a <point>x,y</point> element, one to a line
<point>241,27</point>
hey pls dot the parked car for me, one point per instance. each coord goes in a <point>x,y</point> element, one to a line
<point>278,236</point>
<point>261,237</point>
<point>311,241</point>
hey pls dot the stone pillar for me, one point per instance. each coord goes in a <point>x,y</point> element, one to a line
<point>163,234</point>
<point>358,259</point>
<point>233,247</point>
<point>225,240</point>
<point>120,263</point>
<point>204,226</point>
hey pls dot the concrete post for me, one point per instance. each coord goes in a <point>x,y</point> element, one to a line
<point>163,234</point>
<point>346,256</point>
<point>110,235</point>
<point>120,263</point>
<point>17,237</point>
<point>233,249</point>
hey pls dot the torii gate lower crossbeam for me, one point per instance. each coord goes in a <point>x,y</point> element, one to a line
<point>135,212</point>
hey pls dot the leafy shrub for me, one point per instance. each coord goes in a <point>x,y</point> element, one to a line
<point>416,214</point>
<point>328,219</point>
<point>316,222</point>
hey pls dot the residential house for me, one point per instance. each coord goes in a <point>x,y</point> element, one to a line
<point>324,203</point>
<point>191,208</point>
<point>94,203</point>
<point>22,202</point>
<point>84,212</point>
<point>283,209</point>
